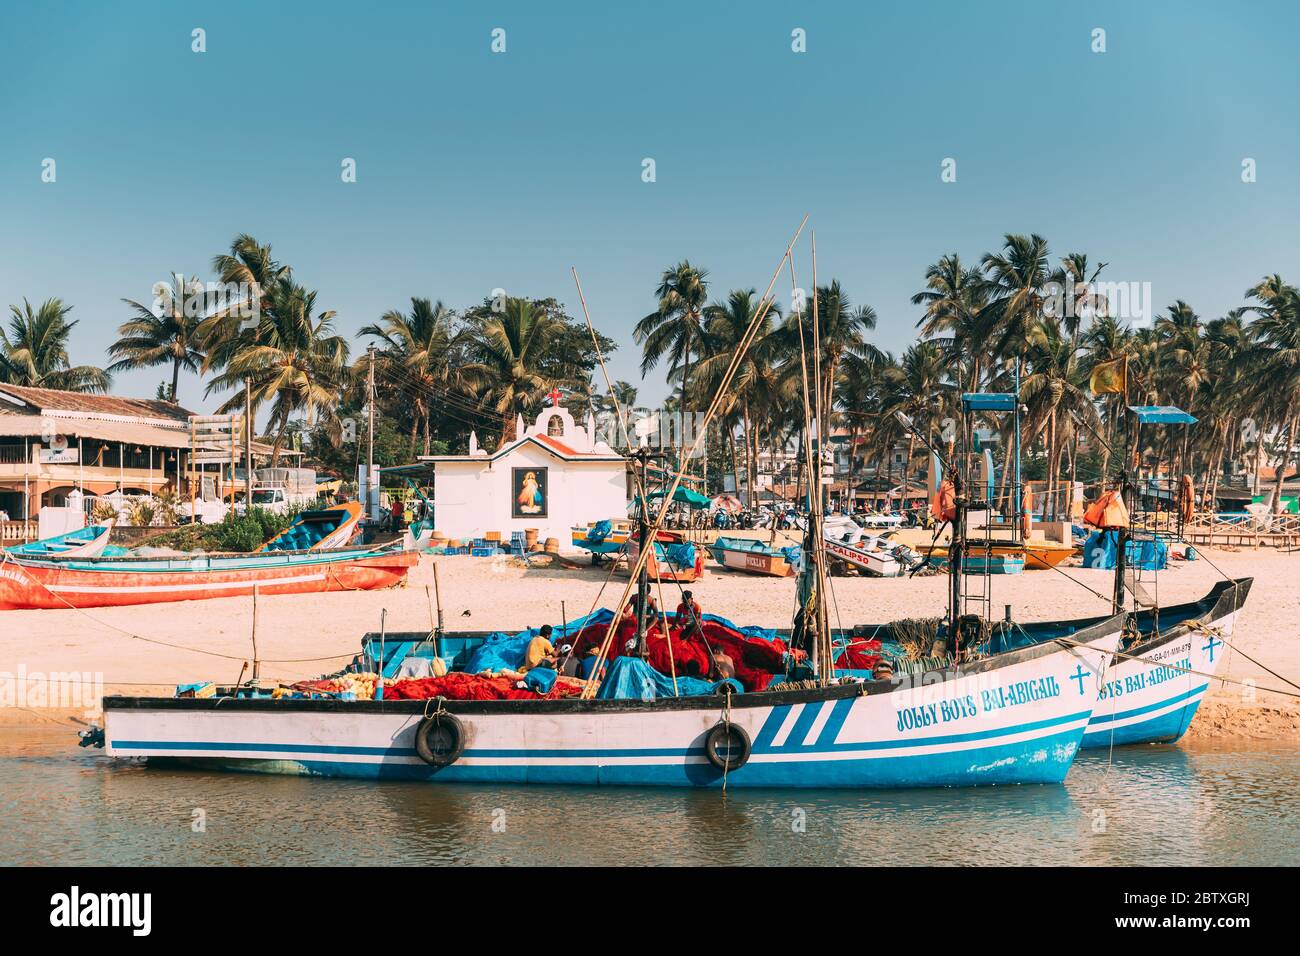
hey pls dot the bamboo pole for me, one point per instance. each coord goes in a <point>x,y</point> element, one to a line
<point>814,480</point>
<point>750,333</point>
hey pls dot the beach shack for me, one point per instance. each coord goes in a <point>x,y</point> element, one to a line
<point>554,475</point>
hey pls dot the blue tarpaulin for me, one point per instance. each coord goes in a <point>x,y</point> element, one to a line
<point>630,678</point>
<point>506,651</point>
<point>1100,549</point>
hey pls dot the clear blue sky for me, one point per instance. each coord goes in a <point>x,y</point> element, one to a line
<point>478,170</point>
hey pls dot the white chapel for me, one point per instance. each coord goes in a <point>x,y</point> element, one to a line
<point>553,476</point>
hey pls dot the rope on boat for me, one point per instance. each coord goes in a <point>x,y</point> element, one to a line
<point>1216,633</point>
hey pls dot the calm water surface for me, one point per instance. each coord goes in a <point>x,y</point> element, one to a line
<point>1149,805</point>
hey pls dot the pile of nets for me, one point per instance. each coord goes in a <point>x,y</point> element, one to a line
<point>757,654</point>
<point>460,686</point>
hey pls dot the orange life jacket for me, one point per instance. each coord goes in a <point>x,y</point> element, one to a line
<point>1187,498</point>
<point>1026,513</point>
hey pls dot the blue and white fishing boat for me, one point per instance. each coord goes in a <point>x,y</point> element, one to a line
<point>88,542</point>
<point>1015,718</point>
<point>1154,687</point>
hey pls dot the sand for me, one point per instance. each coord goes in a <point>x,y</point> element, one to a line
<point>150,649</point>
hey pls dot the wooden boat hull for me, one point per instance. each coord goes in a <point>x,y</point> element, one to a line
<point>85,543</point>
<point>662,570</point>
<point>48,584</point>
<point>772,564</point>
<point>1045,557</point>
<point>996,561</point>
<point>1029,557</point>
<point>1153,698</point>
<point>1015,718</point>
<point>873,562</point>
<point>346,519</point>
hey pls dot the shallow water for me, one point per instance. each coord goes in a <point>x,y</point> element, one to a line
<point>1147,805</point>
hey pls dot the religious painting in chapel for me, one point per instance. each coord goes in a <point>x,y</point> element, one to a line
<point>531,492</point>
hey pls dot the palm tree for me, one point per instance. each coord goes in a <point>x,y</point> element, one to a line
<point>417,357</point>
<point>755,375</point>
<point>676,326</point>
<point>292,360</point>
<point>1277,357</point>
<point>1015,281</point>
<point>1055,392</point>
<point>34,351</point>
<point>250,266</point>
<point>918,387</point>
<point>842,332</point>
<point>954,299</point>
<point>507,350</point>
<point>151,338</point>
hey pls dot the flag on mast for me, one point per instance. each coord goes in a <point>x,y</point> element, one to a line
<point>1110,377</point>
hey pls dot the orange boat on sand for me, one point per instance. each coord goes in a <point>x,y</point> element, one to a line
<point>114,582</point>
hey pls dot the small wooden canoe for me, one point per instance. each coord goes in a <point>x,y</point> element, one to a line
<point>660,569</point>
<point>88,542</point>
<point>754,557</point>
<point>317,530</point>
<point>27,583</point>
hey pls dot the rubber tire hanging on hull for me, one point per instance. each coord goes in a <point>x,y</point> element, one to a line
<point>738,750</point>
<point>440,739</point>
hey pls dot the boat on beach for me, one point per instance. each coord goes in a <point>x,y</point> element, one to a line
<point>27,583</point>
<point>682,562</point>
<point>319,529</point>
<point>754,557</point>
<point>88,542</point>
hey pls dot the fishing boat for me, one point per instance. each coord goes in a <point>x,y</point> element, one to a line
<point>851,545</point>
<point>1013,717</point>
<point>27,582</point>
<point>1167,661</point>
<point>1017,717</point>
<point>319,529</point>
<point>89,542</point>
<point>981,560</point>
<point>682,561</point>
<point>608,536</point>
<point>754,557</point>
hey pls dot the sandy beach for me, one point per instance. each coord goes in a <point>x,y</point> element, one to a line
<point>150,649</point>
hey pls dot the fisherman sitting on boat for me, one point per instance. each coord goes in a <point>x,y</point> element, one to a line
<point>540,652</point>
<point>688,611</point>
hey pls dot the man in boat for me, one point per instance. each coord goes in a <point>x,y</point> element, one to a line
<point>540,651</point>
<point>688,610</point>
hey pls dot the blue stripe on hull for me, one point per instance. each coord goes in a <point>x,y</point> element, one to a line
<point>1044,760</point>
<point>1164,729</point>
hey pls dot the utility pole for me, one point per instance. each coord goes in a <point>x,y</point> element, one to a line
<point>248,443</point>
<point>370,428</point>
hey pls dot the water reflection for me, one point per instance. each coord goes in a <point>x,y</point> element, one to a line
<point>1148,805</point>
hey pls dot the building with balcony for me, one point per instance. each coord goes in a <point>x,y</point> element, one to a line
<point>53,442</point>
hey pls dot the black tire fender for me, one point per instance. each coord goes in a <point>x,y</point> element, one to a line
<point>727,746</point>
<point>440,739</point>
